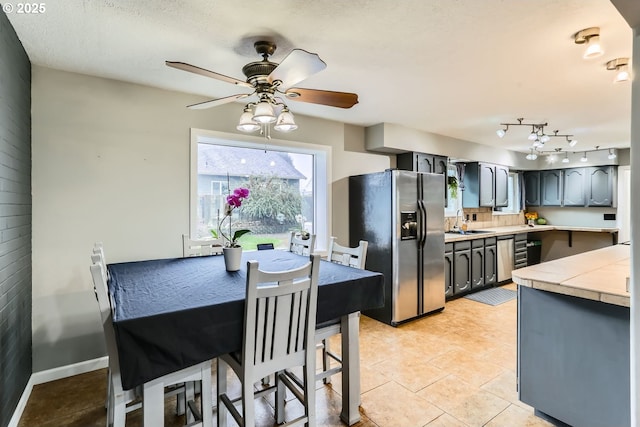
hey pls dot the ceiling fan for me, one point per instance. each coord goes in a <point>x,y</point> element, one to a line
<point>269,79</point>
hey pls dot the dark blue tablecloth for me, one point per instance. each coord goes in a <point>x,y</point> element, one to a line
<point>174,313</point>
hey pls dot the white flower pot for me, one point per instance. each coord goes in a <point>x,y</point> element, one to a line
<point>232,258</point>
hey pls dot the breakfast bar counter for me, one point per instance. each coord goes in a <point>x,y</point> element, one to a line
<point>573,338</point>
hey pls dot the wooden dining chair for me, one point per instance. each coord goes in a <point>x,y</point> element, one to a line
<point>200,247</point>
<point>151,395</point>
<point>353,257</point>
<point>279,325</point>
<point>301,246</point>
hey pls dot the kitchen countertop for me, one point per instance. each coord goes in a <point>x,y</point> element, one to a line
<point>598,275</point>
<point>517,229</point>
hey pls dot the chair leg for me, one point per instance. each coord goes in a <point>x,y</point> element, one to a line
<point>206,397</point>
<point>189,395</point>
<point>281,396</point>
<point>221,385</point>
<point>326,362</point>
<point>310,393</point>
<point>248,405</point>
<point>153,404</point>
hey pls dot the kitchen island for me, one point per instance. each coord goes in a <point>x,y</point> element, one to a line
<point>573,338</point>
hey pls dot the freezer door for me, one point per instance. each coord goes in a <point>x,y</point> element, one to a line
<point>405,297</point>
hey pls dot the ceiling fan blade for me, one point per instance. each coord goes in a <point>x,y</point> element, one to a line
<point>296,67</point>
<point>197,70</point>
<point>216,102</point>
<point>324,97</point>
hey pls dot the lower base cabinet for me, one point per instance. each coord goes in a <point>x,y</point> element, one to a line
<point>448,270</point>
<point>461,267</point>
<point>469,265</point>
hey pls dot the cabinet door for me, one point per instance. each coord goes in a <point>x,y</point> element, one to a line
<point>551,188</point>
<point>448,274</point>
<point>490,264</point>
<point>461,271</point>
<point>487,185</point>
<point>573,190</point>
<point>502,186</point>
<point>424,163</point>
<point>477,267</point>
<point>600,186</point>
<point>532,188</point>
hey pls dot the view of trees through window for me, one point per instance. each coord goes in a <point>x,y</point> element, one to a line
<point>280,192</point>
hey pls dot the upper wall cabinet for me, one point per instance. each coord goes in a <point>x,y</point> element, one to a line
<point>589,186</point>
<point>421,162</point>
<point>574,187</point>
<point>428,163</point>
<point>532,188</point>
<point>600,185</point>
<point>485,185</point>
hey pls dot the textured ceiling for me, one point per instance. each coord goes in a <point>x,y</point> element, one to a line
<point>452,67</point>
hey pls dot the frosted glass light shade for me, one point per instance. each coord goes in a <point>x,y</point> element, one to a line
<point>264,113</point>
<point>593,49</point>
<point>285,122</point>
<point>246,123</point>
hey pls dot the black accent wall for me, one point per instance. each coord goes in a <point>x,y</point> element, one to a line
<point>15,220</point>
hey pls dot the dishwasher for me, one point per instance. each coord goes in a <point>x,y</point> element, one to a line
<point>505,257</point>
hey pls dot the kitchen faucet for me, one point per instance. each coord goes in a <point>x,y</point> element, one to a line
<point>455,224</point>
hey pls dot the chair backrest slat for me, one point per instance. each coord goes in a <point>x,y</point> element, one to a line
<point>200,247</point>
<point>353,257</point>
<point>301,246</point>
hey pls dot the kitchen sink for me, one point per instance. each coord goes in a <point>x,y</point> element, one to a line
<point>467,232</point>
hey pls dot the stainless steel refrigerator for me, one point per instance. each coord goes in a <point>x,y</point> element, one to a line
<point>401,214</point>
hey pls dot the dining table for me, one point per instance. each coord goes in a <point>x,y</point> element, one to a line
<point>169,314</point>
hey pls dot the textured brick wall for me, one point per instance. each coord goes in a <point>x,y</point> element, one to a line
<point>15,220</point>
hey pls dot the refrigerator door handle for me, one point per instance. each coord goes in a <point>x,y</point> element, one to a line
<point>423,222</point>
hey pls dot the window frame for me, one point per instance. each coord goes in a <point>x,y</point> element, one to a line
<point>321,179</point>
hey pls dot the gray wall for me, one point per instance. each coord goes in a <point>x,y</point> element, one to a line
<point>15,220</point>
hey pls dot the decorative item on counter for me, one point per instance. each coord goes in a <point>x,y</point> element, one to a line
<point>541,221</point>
<point>531,217</point>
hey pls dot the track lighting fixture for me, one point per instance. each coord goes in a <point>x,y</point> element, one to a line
<point>621,67</point>
<point>566,158</point>
<point>572,142</point>
<point>590,37</point>
<point>531,155</point>
<point>612,154</point>
<point>584,157</point>
<point>502,132</point>
<point>553,155</point>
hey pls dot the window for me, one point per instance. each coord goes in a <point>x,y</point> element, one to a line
<point>454,200</point>
<point>513,189</point>
<point>287,181</point>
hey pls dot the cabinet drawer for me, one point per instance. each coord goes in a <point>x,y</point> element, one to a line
<point>521,236</point>
<point>520,256</point>
<point>490,241</point>
<point>520,264</point>
<point>448,247</point>
<point>460,246</point>
<point>521,245</point>
<point>477,243</point>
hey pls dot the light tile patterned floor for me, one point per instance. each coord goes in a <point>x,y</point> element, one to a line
<point>451,369</point>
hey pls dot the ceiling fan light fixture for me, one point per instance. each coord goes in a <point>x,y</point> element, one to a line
<point>246,122</point>
<point>285,122</point>
<point>264,112</point>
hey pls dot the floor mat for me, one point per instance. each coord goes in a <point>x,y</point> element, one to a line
<point>493,296</point>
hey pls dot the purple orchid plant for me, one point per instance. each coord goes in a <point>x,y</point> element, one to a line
<point>234,201</point>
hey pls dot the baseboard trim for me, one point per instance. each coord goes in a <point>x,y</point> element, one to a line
<point>52,375</point>
<point>69,370</point>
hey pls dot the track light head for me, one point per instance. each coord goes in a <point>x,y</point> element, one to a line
<point>590,37</point>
